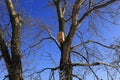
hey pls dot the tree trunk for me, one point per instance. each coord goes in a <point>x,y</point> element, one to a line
<point>15,74</point>
<point>65,62</point>
<point>15,69</point>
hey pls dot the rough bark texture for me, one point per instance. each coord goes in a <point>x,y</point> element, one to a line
<point>15,68</point>
<point>5,52</point>
<point>65,63</point>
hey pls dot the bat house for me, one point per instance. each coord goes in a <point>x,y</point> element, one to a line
<point>61,36</point>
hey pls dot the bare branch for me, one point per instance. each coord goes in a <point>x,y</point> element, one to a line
<point>60,14</point>
<point>77,77</point>
<point>75,12</point>
<point>43,39</point>
<point>68,19</point>
<point>80,44</point>
<point>56,68</point>
<point>81,56</point>
<point>44,69</point>
<point>65,6</point>
<point>31,46</point>
<point>6,76</point>
<point>87,63</point>
<point>105,19</point>
<point>4,50</point>
<point>109,73</point>
<point>91,41</point>
<point>95,8</point>
<point>94,64</point>
<point>50,35</point>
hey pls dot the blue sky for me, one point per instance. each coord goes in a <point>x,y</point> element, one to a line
<point>39,9</point>
<point>48,16</point>
<point>40,57</point>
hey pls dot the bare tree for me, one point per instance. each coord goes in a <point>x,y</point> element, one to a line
<point>73,13</point>
<point>12,59</point>
<point>70,13</point>
<point>15,40</point>
<point>66,66</point>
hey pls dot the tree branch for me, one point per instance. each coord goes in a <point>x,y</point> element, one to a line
<point>5,52</point>
<point>75,12</point>
<point>44,69</point>
<point>87,63</point>
<point>76,77</point>
<point>51,37</point>
<point>94,8</point>
<point>80,44</point>
<point>65,6</point>
<point>56,68</point>
<point>91,41</point>
<point>31,46</point>
<point>94,64</point>
<point>60,14</point>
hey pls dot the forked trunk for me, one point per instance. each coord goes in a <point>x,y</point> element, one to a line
<point>15,68</point>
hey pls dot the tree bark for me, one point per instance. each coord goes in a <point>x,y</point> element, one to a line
<point>65,62</point>
<point>15,70</point>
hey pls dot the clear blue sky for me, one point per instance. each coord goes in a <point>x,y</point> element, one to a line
<point>40,9</point>
<point>47,14</point>
<point>39,57</point>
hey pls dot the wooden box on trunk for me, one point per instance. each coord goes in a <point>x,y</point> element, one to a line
<point>61,36</point>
